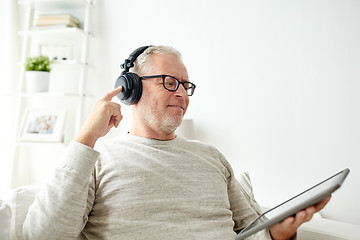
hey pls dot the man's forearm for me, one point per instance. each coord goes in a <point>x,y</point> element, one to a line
<point>60,210</point>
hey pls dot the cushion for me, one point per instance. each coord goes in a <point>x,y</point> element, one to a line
<point>19,201</point>
<point>5,219</point>
<point>247,190</point>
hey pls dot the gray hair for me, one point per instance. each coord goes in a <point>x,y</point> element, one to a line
<point>142,65</point>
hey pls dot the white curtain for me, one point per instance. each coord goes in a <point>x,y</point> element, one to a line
<point>9,69</point>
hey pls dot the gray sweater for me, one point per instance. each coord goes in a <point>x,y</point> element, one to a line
<point>138,188</point>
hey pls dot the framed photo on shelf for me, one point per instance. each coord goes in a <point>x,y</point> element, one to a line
<point>43,125</point>
<point>57,52</point>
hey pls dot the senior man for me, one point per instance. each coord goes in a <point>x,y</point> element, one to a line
<point>148,183</point>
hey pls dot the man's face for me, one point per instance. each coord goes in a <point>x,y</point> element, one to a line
<point>160,109</point>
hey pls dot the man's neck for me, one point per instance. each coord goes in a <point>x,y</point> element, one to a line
<point>152,133</point>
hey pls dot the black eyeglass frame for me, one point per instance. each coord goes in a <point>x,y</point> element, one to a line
<point>178,82</point>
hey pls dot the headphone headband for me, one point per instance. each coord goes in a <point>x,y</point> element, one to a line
<point>129,62</point>
<point>130,82</point>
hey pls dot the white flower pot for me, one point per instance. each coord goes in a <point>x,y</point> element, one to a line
<point>37,81</point>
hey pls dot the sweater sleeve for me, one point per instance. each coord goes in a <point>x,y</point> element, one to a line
<point>243,212</point>
<point>61,208</point>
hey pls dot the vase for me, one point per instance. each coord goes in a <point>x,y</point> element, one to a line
<point>37,81</point>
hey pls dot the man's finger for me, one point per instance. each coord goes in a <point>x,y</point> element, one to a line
<point>322,204</point>
<point>109,96</point>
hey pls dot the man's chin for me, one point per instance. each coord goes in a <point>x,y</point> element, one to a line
<point>171,123</point>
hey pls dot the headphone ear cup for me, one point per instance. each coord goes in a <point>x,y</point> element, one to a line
<point>132,88</point>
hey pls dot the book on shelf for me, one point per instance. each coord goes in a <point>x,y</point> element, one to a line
<point>52,27</point>
<point>54,20</point>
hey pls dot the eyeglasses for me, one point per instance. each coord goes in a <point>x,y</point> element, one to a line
<point>172,84</point>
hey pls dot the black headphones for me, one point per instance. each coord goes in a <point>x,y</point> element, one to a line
<point>131,82</point>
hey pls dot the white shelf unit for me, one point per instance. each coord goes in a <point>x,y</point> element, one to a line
<point>68,77</point>
<point>32,36</point>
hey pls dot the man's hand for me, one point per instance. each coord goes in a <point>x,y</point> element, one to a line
<point>288,227</point>
<point>103,117</point>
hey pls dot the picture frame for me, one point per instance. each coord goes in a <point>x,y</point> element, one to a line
<point>42,125</point>
<point>57,52</point>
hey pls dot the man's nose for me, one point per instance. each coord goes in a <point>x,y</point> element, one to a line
<point>181,92</point>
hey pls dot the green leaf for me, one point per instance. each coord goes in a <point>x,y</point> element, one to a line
<point>39,63</point>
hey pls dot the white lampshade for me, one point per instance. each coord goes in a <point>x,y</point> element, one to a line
<point>186,129</point>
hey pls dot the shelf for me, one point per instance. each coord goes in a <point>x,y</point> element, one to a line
<point>68,62</point>
<point>57,41</point>
<point>52,32</point>
<point>54,94</point>
<point>20,143</point>
<point>47,95</point>
<point>55,3</point>
<point>63,62</point>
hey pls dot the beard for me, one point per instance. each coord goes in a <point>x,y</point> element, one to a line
<point>170,123</point>
<point>164,122</point>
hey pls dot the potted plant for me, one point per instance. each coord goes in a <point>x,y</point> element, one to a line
<point>37,73</point>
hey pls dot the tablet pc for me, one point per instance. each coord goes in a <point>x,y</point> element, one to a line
<point>299,202</point>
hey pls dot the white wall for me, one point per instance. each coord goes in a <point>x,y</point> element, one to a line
<point>277,83</point>
<point>8,72</point>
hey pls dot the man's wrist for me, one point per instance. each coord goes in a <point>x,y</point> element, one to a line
<point>86,140</point>
<point>294,237</point>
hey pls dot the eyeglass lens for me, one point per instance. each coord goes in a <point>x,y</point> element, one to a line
<point>172,84</point>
